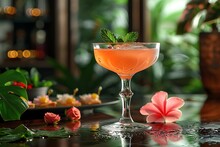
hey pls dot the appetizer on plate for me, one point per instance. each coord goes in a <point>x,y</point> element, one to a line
<point>67,100</point>
<point>44,101</point>
<point>89,99</point>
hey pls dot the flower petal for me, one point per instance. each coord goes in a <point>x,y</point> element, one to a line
<point>174,103</point>
<point>148,109</point>
<point>159,100</point>
<point>173,116</point>
<point>155,118</point>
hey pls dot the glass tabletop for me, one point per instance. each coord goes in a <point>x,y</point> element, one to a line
<point>193,129</point>
<point>184,133</point>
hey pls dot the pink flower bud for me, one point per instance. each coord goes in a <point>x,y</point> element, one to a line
<point>73,113</point>
<point>51,118</point>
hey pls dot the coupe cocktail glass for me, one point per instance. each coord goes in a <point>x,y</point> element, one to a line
<point>126,59</point>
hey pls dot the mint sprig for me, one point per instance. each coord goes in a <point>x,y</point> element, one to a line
<point>108,36</point>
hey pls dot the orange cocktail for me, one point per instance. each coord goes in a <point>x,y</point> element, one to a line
<point>126,62</point>
<point>126,59</point>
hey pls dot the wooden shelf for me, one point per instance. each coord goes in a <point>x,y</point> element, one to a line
<point>25,63</point>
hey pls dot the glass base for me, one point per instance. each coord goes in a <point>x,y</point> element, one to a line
<point>126,127</point>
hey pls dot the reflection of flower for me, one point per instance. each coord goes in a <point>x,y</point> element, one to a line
<point>162,109</point>
<point>73,113</point>
<point>73,125</point>
<point>50,128</point>
<point>51,118</point>
<point>162,133</point>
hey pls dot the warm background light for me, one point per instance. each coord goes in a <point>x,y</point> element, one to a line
<point>12,54</point>
<point>34,12</point>
<point>26,54</point>
<point>20,54</point>
<point>10,10</point>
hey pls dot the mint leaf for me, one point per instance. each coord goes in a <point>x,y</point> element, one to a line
<point>120,39</point>
<point>130,37</point>
<point>108,36</point>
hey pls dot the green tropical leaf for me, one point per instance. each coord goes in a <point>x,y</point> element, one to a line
<point>12,104</point>
<point>11,75</point>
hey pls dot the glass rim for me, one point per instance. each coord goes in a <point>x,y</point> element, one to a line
<point>126,42</point>
<point>132,45</point>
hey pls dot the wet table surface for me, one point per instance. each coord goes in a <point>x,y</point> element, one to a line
<point>198,126</point>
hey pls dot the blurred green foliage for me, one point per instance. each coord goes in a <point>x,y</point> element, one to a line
<point>93,15</point>
<point>176,71</point>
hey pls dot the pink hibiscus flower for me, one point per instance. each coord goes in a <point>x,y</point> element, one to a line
<point>162,109</point>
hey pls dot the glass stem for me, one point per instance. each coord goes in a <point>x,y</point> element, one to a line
<point>126,95</point>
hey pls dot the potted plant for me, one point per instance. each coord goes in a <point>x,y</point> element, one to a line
<point>203,16</point>
<point>35,86</point>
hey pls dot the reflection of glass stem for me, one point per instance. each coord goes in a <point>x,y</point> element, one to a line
<point>126,141</point>
<point>126,95</point>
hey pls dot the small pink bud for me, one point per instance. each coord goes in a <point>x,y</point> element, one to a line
<point>51,118</point>
<point>73,113</point>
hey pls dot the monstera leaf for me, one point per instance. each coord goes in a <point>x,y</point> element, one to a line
<point>12,103</point>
